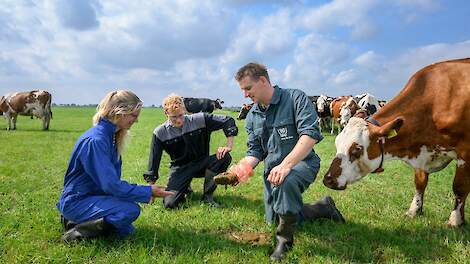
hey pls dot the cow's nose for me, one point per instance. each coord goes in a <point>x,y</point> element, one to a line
<point>328,181</point>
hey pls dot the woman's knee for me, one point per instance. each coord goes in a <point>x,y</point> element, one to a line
<point>134,211</point>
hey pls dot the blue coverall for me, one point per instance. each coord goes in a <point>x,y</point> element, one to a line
<point>93,187</point>
<point>272,134</point>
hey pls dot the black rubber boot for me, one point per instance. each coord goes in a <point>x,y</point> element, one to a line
<point>67,224</point>
<point>90,229</point>
<point>324,208</point>
<point>189,191</point>
<point>209,188</point>
<point>284,236</point>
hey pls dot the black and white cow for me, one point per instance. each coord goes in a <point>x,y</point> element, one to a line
<point>324,112</point>
<point>368,102</point>
<point>195,105</point>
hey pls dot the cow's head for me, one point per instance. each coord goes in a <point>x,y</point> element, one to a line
<point>321,103</point>
<point>244,111</point>
<point>218,103</point>
<point>357,151</point>
<point>348,109</point>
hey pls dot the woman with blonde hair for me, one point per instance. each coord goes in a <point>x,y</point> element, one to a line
<point>95,201</point>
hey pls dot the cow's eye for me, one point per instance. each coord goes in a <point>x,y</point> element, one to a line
<point>355,152</point>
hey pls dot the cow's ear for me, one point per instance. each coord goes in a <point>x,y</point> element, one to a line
<point>391,128</point>
<point>361,114</point>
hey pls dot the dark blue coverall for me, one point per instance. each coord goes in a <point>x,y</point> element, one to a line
<point>93,187</point>
<point>272,134</point>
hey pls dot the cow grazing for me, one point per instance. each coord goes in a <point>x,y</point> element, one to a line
<point>244,111</point>
<point>425,125</point>
<point>35,103</point>
<point>195,105</point>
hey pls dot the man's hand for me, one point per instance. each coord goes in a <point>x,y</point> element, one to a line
<point>278,174</point>
<point>221,151</point>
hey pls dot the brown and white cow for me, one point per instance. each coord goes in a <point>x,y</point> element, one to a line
<point>426,125</point>
<point>244,111</point>
<point>335,108</point>
<point>348,110</point>
<point>35,103</point>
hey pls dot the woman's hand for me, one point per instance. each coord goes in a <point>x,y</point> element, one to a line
<point>159,191</point>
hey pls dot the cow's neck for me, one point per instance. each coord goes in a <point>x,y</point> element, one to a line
<point>400,106</point>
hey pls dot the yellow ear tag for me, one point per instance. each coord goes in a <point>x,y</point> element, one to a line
<point>392,133</point>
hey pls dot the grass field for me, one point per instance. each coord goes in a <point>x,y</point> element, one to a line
<point>33,162</point>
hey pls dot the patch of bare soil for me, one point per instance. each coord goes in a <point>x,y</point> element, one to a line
<point>253,238</point>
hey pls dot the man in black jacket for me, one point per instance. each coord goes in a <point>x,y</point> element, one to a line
<point>186,139</point>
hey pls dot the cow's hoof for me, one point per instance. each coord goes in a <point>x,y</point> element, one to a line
<point>414,213</point>
<point>455,220</point>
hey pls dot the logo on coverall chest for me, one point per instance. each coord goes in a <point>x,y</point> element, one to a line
<point>283,133</point>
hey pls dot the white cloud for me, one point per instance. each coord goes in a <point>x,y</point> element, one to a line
<point>259,40</point>
<point>343,13</point>
<point>78,15</point>
<point>399,70</point>
<point>82,50</point>
<point>315,60</point>
<point>345,77</point>
<point>370,61</point>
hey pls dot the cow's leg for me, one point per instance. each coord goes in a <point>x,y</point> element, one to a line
<point>421,181</point>
<point>8,119</point>
<point>332,126</point>
<point>45,122</point>
<point>13,120</point>
<point>461,188</point>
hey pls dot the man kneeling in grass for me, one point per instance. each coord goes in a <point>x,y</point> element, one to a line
<point>282,132</point>
<point>186,138</point>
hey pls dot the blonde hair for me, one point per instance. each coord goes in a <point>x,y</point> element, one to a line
<point>112,107</point>
<point>173,103</point>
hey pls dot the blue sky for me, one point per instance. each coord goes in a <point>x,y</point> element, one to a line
<point>80,50</point>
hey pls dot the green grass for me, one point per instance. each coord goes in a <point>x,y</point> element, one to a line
<point>33,162</point>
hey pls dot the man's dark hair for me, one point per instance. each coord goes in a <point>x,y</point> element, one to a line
<point>252,69</point>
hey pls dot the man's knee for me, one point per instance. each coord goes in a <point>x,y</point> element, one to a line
<point>289,183</point>
<point>222,164</point>
<point>227,158</point>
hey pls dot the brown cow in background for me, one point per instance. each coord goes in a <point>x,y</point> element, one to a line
<point>244,111</point>
<point>335,107</point>
<point>35,103</point>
